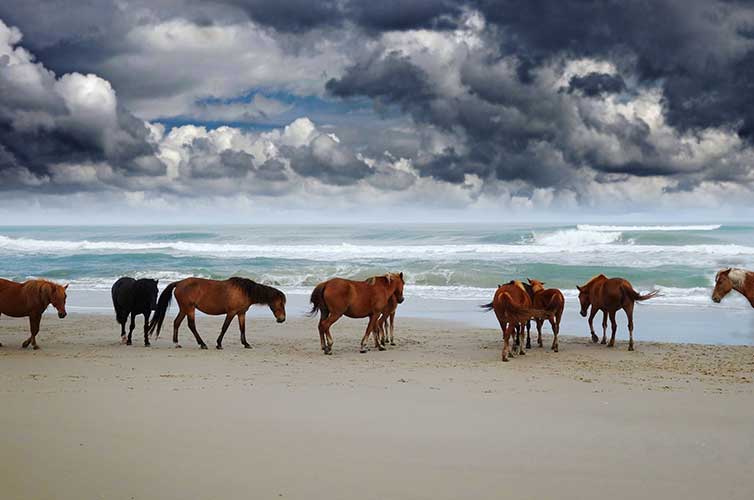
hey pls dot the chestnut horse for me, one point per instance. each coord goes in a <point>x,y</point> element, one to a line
<point>386,323</point>
<point>513,308</point>
<point>610,295</point>
<point>231,297</point>
<point>354,299</point>
<point>549,299</point>
<point>729,279</point>
<point>31,298</point>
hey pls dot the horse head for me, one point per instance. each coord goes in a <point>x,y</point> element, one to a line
<point>536,285</point>
<point>723,285</point>
<point>57,296</point>
<point>398,278</point>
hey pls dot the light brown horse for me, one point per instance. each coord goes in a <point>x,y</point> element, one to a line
<point>31,298</point>
<point>231,297</point>
<point>610,295</point>
<point>729,279</point>
<point>549,299</point>
<point>513,308</point>
<point>355,299</point>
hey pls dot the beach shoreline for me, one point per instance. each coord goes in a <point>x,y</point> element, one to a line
<point>437,416</point>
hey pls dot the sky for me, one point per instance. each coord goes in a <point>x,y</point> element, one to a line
<point>254,111</point>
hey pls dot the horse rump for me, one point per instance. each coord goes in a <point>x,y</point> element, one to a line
<point>317,299</point>
<point>163,303</point>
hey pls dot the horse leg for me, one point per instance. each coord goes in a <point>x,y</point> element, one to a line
<point>592,314</point>
<point>370,329</point>
<point>226,324</point>
<point>379,339</point>
<point>555,323</point>
<point>507,332</point>
<point>192,326</point>
<point>324,328</point>
<point>630,315</point>
<point>604,328</point>
<point>391,318</point>
<point>122,322</point>
<point>242,327</point>
<point>614,327</point>
<point>34,321</point>
<point>146,328</point>
<point>539,331</point>
<point>131,327</point>
<point>176,325</point>
<point>528,334</point>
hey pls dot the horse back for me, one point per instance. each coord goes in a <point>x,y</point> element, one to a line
<point>608,294</point>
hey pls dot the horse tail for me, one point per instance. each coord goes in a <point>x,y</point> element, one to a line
<point>317,299</point>
<point>639,297</point>
<point>487,307</point>
<point>162,307</point>
<point>521,311</point>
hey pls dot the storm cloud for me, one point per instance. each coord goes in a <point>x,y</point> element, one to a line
<point>588,102</point>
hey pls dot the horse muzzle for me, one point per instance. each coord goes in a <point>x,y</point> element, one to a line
<point>62,314</point>
<point>400,301</point>
<point>716,300</point>
<point>281,320</point>
<point>583,313</point>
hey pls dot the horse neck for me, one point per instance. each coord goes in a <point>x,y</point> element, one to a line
<point>746,288</point>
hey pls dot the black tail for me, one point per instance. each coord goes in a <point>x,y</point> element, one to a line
<point>486,307</point>
<point>162,308</point>
<point>318,300</point>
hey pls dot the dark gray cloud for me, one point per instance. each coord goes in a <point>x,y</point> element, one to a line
<point>596,84</point>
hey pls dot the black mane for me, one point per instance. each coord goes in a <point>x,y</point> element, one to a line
<point>256,292</point>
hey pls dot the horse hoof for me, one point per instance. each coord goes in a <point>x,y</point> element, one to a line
<point>247,346</point>
<point>611,344</point>
<point>505,360</point>
<point>363,351</point>
<point>25,345</point>
<point>36,347</point>
<point>147,344</point>
<point>382,349</point>
<point>219,347</point>
<point>630,348</point>
<point>203,346</point>
<point>178,346</point>
<point>595,339</point>
<point>555,349</point>
<point>128,342</point>
<point>392,343</point>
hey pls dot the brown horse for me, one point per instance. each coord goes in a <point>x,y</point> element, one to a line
<point>513,308</point>
<point>386,323</point>
<point>231,297</point>
<point>31,298</point>
<point>549,299</point>
<point>610,295</point>
<point>729,279</point>
<point>355,299</point>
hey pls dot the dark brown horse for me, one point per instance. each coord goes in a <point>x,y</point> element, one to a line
<point>729,279</point>
<point>355,299</point>
<point>549,299</point>
<point>231,297</point>
<point>610,295</point>
<point>31,298</point>
<point>513,308</point>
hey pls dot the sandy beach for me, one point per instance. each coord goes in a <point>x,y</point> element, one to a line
<point>438,416</point>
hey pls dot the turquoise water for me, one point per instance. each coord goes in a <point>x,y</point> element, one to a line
<point>440,262</point>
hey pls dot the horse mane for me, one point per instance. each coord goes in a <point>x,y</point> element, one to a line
<point>523,286</point>
<point>40,287</point>
<point>388,277</point>
<point>593,279</point>
<point>256,292</point>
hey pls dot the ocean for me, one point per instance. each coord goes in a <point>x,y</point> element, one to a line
<point>449,269</point>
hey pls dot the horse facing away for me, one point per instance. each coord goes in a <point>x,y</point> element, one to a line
<point>133,297</point>
<point>31,298</point>
<point>355,299</point>
<point>729,279</point>
<point>513,308</point>
<point>610,295</point>
<point>549,299</point>
<point>232,297</point>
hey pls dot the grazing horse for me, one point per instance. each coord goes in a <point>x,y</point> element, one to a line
<point>231,297</point>
<point>31,298</point>
<point>133,297</point>
<point>355,299</point>
<point>610,295</point>
<point>729,279</point>
<point>513,308</point>
<point>549,299</point>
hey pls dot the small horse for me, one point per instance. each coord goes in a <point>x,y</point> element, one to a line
<point>355,299</point>
<point>31,298</point>
<point>133,297</point>
<point>231,297</point>
<point>729,279</point>
<point>610,295</point>
<point>549,299</point>
<point>386,323</point>
<point>513,308</point>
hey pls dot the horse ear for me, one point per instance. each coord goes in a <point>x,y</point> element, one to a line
<point>579,288</point>
<point>727,270</point>
<point>529,280</point>
<point>401,275</point>
<point>65,287</point>
<point>156,282</point>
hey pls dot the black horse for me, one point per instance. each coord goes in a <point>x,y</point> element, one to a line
<point>134,297</point>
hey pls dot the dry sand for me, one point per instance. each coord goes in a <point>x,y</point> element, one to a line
<point>438,416</point>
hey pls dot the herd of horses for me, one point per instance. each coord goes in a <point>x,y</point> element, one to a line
<point>515,304</point>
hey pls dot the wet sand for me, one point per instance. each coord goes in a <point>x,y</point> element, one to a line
<point>438,416</point>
